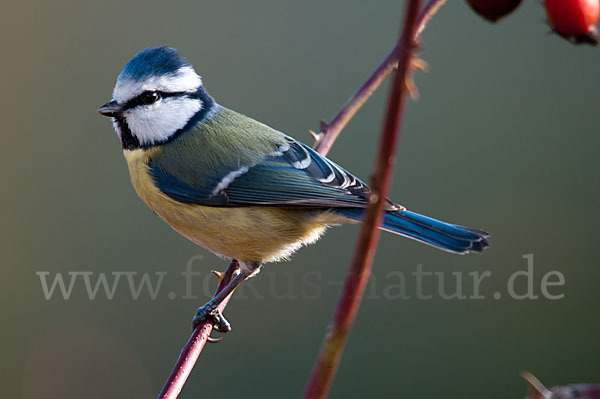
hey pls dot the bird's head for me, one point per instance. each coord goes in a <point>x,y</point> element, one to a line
<point>158,95</point>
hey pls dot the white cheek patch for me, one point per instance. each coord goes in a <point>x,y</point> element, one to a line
<point>184,80</point>
<point>157,122</point>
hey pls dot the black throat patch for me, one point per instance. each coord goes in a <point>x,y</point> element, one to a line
<point>128,140</point>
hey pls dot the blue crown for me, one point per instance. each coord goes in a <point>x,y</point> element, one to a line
<point>153,61</point>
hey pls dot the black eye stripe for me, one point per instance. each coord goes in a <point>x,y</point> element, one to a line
<point>140,99</point>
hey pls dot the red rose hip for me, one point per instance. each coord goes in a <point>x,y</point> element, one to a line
<point>493,10</point>
<point>574,19</point>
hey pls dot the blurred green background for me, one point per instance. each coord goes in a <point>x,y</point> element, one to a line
<point>504,137</point>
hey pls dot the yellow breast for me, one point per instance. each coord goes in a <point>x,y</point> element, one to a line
<point>256,234</point>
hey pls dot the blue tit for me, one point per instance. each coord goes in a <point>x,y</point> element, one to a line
<point>235,186</point>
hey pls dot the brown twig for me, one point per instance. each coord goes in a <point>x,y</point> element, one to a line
<point>323,143</point>
<point>190,352</point>
<point>360,268</point>
<point>329,131</point>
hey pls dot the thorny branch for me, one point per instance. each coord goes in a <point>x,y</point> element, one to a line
<point>323,142</point>
<point>362,261</point>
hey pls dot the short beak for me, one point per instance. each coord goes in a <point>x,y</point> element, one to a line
<point>111,108</point>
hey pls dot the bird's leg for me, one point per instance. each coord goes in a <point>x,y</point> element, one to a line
<point>211,311</point>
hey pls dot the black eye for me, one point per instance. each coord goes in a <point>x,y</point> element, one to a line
<point>149,97</point>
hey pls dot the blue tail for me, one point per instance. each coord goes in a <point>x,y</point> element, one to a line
<point>442,235</point>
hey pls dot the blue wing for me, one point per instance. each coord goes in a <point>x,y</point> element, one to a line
<point>292,176</point>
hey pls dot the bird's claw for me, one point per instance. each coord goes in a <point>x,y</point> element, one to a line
<point>219,322</point>
<point>212,340</point>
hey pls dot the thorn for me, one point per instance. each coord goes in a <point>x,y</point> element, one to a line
<point>411,88</point>
<point>419,64</point>
<point>220,275</point>
<point>317,136</point>
<point>536,389</point>
<point>323,126</point>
